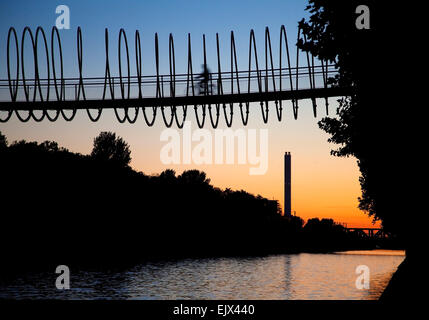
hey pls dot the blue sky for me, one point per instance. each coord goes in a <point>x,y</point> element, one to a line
<point>161,16</point>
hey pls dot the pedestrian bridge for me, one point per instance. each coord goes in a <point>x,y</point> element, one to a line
<point>218,93</point>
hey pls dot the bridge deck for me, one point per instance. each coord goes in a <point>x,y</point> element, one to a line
<point>176,101</point>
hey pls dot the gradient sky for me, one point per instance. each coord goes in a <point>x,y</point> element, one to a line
<point>322,185</point>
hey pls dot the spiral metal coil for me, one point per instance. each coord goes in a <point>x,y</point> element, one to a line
<point>268,80</point>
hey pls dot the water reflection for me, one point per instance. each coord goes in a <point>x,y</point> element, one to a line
<point>292,276</point>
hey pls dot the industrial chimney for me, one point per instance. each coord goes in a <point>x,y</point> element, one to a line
<point>287,205</point>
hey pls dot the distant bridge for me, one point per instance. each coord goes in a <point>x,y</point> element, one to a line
<point>369,233</point>
<point>48,98</point>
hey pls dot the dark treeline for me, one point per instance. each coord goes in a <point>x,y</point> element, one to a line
<point>60,207</point>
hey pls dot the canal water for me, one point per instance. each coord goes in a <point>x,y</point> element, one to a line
<point>279,277</point>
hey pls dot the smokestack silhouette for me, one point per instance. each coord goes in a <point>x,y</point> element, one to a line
<point>287,212</point>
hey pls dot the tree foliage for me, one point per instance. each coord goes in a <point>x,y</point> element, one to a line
<point>365,123</point>
<point>108,147</point>
<point>3,141</point>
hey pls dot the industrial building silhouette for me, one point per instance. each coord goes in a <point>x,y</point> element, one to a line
<point>287,204</point>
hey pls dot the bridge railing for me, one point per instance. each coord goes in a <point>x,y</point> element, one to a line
<point>94,86</point>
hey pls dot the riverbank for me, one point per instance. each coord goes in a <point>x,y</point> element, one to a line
<point>403,284</point>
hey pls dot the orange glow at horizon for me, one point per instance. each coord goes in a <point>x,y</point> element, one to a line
<point>323,186</point>
<point>331,192</point>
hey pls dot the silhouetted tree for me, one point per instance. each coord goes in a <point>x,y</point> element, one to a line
<point>367,123</point>
<point>51,146</point>
<point>371,121</point>
<point>3,141</point>
<point>168,176</point>
<point>109,147</point>
<point>296,222</point>
<point>194,177</point>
